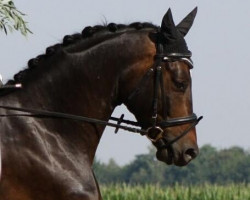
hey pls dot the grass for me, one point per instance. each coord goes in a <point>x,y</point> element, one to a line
<point>177,192</point>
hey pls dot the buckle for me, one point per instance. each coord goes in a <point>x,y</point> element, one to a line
<point>154,133</point>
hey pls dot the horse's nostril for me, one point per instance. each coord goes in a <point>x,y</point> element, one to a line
<point>190,154</point>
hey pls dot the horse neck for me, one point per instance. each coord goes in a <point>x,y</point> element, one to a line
<point>71,87</point>
<point>83,83</point>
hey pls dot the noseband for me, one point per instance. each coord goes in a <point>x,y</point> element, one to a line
<point>154,132</point>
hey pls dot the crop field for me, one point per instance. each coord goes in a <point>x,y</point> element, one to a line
<point>177,192</point>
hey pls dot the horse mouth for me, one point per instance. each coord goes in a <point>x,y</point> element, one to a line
<point>166,155</point>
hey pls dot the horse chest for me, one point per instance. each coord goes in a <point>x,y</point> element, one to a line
<point>44,166</point>
<point>52,181</point>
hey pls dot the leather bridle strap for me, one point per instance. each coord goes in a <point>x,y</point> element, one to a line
<point>177,121</point>
<point>163,98</point>
<point>155,99</point>
<point>58,115</point>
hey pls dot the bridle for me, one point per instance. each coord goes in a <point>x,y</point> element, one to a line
<point>154,132</point>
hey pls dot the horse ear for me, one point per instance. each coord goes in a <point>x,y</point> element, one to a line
<point>167,20</point>
<point>184,26</point>
<point>168,27</point>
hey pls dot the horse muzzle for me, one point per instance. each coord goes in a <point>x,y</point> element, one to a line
<point>169,149</point>
<point>179,155</point>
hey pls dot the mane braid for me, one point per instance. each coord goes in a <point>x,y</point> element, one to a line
<point>70,40</point>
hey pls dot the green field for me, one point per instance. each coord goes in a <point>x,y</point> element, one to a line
<point>177,192</point>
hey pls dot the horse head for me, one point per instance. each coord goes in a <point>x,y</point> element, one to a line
<point>161,98</point>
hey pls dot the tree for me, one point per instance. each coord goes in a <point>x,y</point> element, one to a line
<point>222,166</point>
<point>107,173</point>
<point>144,169</point>
<point>11,18</point>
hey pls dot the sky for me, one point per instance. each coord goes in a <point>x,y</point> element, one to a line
<point>219,40</point>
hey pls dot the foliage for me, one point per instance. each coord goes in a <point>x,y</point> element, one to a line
<point>178,192</point>
<point>108,173</point>
<point>11,18</point>
<point>211,166</point>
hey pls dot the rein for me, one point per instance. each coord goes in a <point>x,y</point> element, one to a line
<point>153,133</point>
<point>59,115</point>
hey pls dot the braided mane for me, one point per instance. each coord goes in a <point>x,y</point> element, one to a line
<point>71,40</point>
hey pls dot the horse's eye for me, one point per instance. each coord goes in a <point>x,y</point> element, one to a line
<point>181,85</point>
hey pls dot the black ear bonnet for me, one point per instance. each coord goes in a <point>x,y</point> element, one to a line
<point>171,37</point>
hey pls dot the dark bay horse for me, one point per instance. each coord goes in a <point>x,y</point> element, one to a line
<point>141,65</point>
